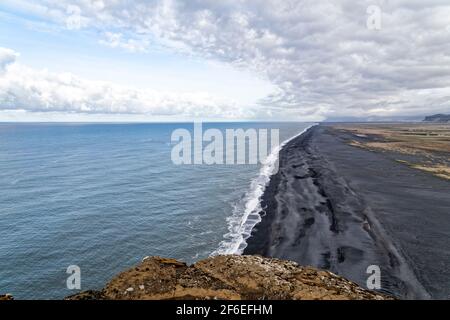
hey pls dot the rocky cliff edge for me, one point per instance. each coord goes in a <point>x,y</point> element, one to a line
<point>230,277</point>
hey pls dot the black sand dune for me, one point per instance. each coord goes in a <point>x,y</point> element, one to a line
<point>342,208</point>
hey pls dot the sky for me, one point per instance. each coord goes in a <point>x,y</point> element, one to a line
<point>167,60</point>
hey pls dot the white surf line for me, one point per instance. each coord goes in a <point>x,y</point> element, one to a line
<point>240,225</point>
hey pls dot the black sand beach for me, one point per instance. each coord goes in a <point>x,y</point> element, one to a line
<point>342,208</point>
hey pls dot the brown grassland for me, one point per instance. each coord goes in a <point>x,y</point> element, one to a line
<point>430,143</point>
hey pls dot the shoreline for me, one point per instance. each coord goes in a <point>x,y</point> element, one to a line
<point>341,208</point>
<point>252,208</point>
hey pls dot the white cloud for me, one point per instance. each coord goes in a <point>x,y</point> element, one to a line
<point>117,40</point>
<point>23,88</point>
<point>7,57</point>
<point>320,54</point>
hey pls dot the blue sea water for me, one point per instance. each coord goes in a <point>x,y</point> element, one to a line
<point>103,196</point>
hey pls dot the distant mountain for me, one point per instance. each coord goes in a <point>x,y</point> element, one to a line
<point>438,118</point>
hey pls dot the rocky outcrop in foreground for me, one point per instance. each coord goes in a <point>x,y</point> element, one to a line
<point>229,277</point>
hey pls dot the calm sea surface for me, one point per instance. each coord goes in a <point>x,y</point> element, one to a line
<point>103,196</point>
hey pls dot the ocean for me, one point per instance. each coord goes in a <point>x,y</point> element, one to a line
<point>103,196</point>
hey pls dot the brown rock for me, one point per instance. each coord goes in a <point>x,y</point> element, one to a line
<point>7,296</point>
<point>230,277</point>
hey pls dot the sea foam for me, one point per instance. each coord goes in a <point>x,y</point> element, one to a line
<point>248,213</point>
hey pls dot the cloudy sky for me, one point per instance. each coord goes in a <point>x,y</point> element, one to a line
<point>304,60</point>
